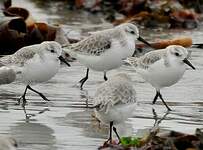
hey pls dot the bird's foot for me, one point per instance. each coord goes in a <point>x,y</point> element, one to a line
<point>43,97</point>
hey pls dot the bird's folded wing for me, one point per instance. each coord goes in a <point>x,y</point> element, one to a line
<point>145,61</point>
<point>108,96</point>
<point>94,45</point>
<point>18,58</point>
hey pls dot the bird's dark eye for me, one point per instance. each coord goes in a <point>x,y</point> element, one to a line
<point>52,51</point>
<point>132,32</point>
<point>177,54</point>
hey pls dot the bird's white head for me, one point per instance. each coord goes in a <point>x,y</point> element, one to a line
<point>179,54</point>
<point>53,50</point>
<point>177,51</point>
<point>132,31</point>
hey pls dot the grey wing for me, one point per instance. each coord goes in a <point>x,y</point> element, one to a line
<point>113,94</point>
<point>6,60</point>
<point>95,45</point>
<point>18,58</point>
<point>1,64</point>
<point>145,61</point>
<point>149,59</point>
<point>133,61</point>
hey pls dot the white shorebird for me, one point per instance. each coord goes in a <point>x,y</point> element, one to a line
<point>104,50</point>
<point>115,101</point>
<point>7,143</point>
<point>162,68</point>
<point>32,64</point>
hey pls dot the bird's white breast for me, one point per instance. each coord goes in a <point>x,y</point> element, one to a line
<point>161,75</point>
<point>110,59</point>
<point>117,113</point>
<point>39,70</point>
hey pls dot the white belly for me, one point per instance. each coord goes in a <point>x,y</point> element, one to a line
<point>160,76</point>
<point>117,114</point>
<point>39,71</point>
<point>111,59</point>
<point>100,63</point>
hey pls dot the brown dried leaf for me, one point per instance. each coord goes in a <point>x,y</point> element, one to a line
<point>12,33</point>
<point>79,3</point>
<point>183,41</point>
<point>20,12</point>
<point>142,17</point>
<point>7,3</point>
<point>130,7</point>
<point>183,15</point>
<point>40,32</point>
<point>136,18</point>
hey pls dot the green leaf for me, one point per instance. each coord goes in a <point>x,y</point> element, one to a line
<point>135,141</point>
<point>130,141</point>
<point>125,141</point>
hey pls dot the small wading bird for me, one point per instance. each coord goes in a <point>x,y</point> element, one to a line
<point>162,68</point>
<point>104,50</point>
<point>115,101</point>
<point>32,64</point>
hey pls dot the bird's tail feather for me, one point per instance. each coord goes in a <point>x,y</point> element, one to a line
<point>69,51</point>
<point>131,61</point>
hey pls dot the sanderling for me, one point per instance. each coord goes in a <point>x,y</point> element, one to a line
<point>115,101</point>
<point>33,64</point>
<point>104,50</point>
<point>7,143</point>
<point>162,68</point>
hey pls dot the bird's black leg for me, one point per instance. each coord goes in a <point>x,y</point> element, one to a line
<point>24,101</point>
<point>105,78</point>
<point>155,98</point>
<point>164,101</point>
<point>115,131</point>
<point>82,81</point>
<point>40,94</point>
<point>110,133</point>
<point>23,97</point>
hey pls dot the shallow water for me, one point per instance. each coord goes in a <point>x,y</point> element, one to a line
<point>65,122</point>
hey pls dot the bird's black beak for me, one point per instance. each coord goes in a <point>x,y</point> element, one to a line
<point>144,41</point>
<point>186,61</point>
<point>63,60</point>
